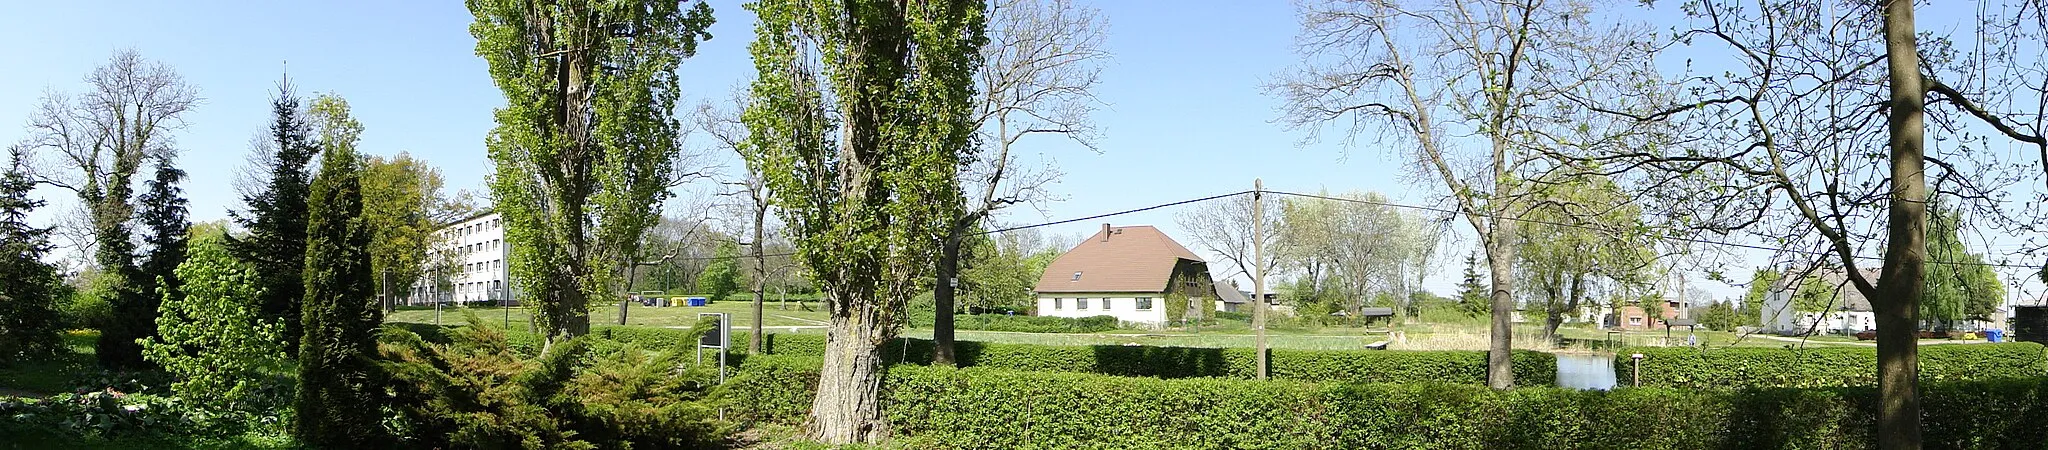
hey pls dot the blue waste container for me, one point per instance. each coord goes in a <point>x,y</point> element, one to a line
<point>698,301</point>
<point>1994,335</point>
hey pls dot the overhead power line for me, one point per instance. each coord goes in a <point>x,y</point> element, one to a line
<point>1667,238</point>
<point>1023,227</point>
<point>1434,209</point>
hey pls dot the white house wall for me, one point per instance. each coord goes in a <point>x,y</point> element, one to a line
<point>1123,306</point>
<point>1778,317</point>
<point>481,257</point>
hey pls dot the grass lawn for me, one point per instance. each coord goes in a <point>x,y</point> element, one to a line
<point>59,373</point>
<point>742,312</point>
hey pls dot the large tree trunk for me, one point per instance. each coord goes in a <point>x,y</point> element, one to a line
<point>1500,256</point>
<point>942,299</point>
<point>1898,296</point>
<point>848,406</point>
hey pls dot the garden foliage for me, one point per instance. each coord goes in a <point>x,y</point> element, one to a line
<point>224,357</point>
<point>937,407</point>
<point>1822,367</point>
<point>475,391</point>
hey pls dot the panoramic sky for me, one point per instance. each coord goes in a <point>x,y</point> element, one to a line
<point>1182,113</point>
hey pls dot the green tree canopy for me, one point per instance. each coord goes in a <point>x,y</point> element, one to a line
<point>867,190</point>
<point>1959,285</point>
<point>586,143</point>
<point>721,278</point>
<point>214,340</point>
<point>398,193</point>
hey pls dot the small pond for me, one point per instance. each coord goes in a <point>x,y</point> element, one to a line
<point>1585,371</point>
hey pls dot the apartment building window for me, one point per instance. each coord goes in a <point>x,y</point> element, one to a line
<point>1144,303</point>
<point>1080,303</point>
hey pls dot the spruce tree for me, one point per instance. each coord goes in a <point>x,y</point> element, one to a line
<point>337,404</point>
<point>28,317</point>
<point>1472,295</point>
<point>164,211</point>
<point>156,279</point>
<point>133,313</point>
<point>276,217</point>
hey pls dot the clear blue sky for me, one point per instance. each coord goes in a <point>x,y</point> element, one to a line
<point>1183,117</point>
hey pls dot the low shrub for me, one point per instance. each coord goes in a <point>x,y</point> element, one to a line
<point>770,389</point>
<point>1468,367</point>
<point>936,407</point>
<point>1035,324</point>
<point>102,414</point>
<point>474,390</point>
<point>1822,367</point>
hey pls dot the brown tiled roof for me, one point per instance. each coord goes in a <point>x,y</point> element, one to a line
<point>1133,259</point>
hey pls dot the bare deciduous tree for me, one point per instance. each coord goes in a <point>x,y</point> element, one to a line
<point>1039,70</point>
<point>1785,145</point>
<point>94,144</point>
<point>1464,87</point>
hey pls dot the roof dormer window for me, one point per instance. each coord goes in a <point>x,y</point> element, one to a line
<point>1077,275</point>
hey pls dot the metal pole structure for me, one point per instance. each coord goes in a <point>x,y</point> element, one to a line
<point>1259,269</point>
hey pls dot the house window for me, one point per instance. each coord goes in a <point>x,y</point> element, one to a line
<point>1637,321</point>
<point>1144,303</point>
<point>1059,303</point>
<point>1105,303</point>
<point>1080,303</point>
<point>1077,277</point>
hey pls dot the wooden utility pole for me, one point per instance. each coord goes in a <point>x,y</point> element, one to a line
<point>1259,269</point>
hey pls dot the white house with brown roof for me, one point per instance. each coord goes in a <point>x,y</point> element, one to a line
<point>1126,272</point>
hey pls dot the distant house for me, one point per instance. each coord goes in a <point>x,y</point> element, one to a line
<point>1229,299</point>
<point>1851,312</point>
<point>1126,272</point>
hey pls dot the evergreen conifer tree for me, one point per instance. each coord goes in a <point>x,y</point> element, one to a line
<point>1472,295</point>
<point>163,214</point>
<point>276,217</point>
<point>28,317</point>
<point>337,404</point>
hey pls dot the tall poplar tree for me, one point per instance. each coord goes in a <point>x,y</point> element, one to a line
<point>275,242</point>
<point>868,190</point>
<point>586,144</point>
<point>337,404</point>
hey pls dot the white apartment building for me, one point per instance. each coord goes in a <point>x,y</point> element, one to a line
<point>479,272</point>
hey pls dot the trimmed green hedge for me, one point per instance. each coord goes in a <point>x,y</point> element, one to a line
<point>1823,367</point>
<point>935,407</point>
<point>1035,324</point>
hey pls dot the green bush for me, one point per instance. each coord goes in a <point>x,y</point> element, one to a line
<point>1035,324</point>
<point>770,389</point>
<point>474,390</point>
<point>1531,368</point>
<point>1822,367</point>
<point>1020,323</point>
<point>936,407</point>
